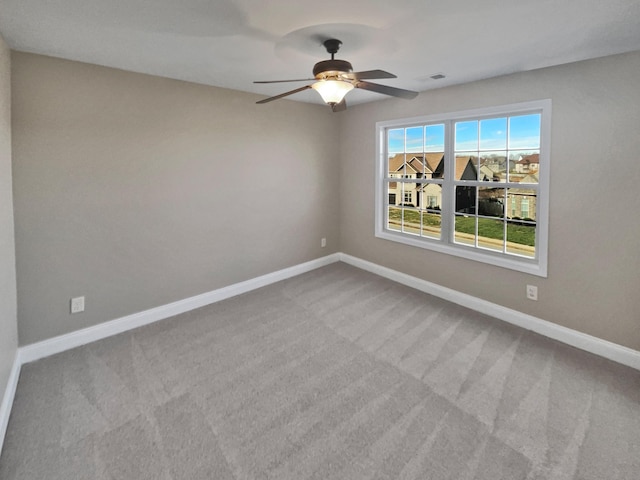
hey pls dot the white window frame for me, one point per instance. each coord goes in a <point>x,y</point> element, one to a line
<point>535,266</point>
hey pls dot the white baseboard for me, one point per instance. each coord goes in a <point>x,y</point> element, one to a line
<point>597,346</point>
<point>9,395</point>
<point>603,348</point>
<point>30,353</point>
<point>61,343</point>
<point>45,348</point>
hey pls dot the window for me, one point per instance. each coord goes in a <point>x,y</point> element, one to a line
<point>408,197</point>
<point>474,184</point>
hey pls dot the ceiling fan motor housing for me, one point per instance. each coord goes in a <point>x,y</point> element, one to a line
<point>331,68</point>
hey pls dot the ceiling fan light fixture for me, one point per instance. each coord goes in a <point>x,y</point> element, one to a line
<point>332,91</point>
<point>335,78</point>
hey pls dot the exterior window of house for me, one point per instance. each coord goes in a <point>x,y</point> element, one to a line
<point>481,180</point>
<point>524,207</point>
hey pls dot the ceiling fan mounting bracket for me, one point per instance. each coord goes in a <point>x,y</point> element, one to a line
<point>332,69</point>
<point>332,45</point>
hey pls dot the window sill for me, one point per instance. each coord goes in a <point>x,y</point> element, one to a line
<point>520,264</point>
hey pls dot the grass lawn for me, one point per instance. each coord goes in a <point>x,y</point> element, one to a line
<point>521,234</point>
<point>488,228</point>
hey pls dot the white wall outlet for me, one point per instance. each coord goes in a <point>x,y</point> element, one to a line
<point>323,242</point>
<point>532,292</point>
<point>77,305</point>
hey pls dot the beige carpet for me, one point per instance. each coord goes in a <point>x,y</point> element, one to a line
<point>335,374</point>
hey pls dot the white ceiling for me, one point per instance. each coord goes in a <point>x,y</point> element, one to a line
<point>230,43</point>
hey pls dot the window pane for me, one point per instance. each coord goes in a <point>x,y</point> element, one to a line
<point>493,166</point>
<point>434,165</point>
<point>493,134</point>
<point>466,136</point>
<point>396,166</point>
<point>521,204</point>
<point>393,194</point>
<point>434,138</point>
<point>524,131</point>
<point>525,168</point>
<point>395,219</point>
<point>466,200</point>
<point>491,202</point>
<point>465,230</point>
<point>431,225</point>
<point>491,234</point>
<point>396,140</point>
<point>466,167</point>
<point>415,167</point>
<point>431,196</point>
<point>411,221</point>
<point>410,195</point>
<point>414,139</point>
<point>521,238</point>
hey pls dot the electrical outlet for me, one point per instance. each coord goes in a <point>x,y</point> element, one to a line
<point>532,292</point>
<point>323,242</point>
<point>77,305</point>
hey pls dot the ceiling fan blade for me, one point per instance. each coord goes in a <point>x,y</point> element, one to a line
<point>286,94</point>
<point>371,75</point>
<point>339,107</point>
<point>386,90</point>
<point>284,81</point>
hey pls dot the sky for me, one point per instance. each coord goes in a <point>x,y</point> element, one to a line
<point>492,134</point>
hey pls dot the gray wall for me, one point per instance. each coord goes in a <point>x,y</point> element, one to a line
<point>593,284</point>
<point>8,325</point>
<point>136,191</point>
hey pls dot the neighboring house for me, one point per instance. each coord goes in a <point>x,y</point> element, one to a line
<point>490,173</point>
<point>427,166</point>
<point>528,163</point>
<point>410,166</point>
<point>521,202</point>
<point>531,178</point>
<point>466,196</point>
<point>431,196</point>
<point>466,168</point>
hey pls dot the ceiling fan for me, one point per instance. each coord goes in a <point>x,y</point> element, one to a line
<point>335,78</point>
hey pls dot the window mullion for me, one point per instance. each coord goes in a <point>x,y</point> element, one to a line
<point>448,189</point>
